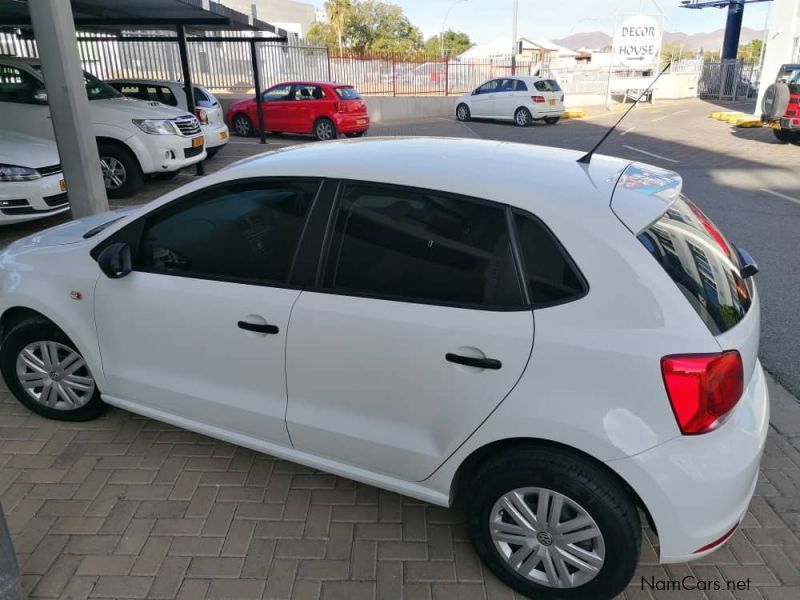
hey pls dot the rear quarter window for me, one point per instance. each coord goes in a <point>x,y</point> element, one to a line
<point>347,93</point>
<point>701,262</point>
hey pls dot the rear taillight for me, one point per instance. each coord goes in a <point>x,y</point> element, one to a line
<point>538,99</point>
<point>201,116</point>
<point>702,388</point>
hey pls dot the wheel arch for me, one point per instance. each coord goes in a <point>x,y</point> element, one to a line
<point>470,465</point>
<point>119,144</point>
<point>15,315</point>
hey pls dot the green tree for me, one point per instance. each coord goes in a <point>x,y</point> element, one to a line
<point>377,26</point>
<point>331,33</point>
<point>751,52</point>
<point>455,43</point>
<point>672,51</point>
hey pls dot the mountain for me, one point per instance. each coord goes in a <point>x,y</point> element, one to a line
<point>695,41</point>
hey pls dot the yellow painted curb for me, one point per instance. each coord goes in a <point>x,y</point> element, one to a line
<point>578,113</point>
<point>733,117</point>
<point>749,122</point>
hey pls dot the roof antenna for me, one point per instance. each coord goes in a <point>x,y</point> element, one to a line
<point>587,158</point>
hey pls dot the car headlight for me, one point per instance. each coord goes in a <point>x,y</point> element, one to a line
<point>15,173</point>
<point>156,126</point>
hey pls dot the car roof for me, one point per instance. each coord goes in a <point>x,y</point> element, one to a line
<point>334,84</point>
<point>151,81</point>
<point>523,175</point>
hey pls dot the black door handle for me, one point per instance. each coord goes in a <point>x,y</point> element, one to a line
<point>481,363</point>
<point>258,327</point>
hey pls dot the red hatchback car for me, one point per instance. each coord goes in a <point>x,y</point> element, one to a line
<point>323,109</point>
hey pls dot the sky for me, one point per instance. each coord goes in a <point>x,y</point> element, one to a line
<point>485,20</point>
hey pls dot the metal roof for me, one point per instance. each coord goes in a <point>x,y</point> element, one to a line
<point>149,14</point>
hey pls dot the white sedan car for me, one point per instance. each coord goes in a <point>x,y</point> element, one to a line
<point>208,110</point>
<point>31,182</point>
<point>521,99</point>
<point>551,360</point>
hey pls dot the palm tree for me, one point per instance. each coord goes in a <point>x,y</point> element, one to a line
<point>338,11</point>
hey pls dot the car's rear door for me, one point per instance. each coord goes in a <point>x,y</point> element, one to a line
<point>305,107</point>
<point>23,103</point>
<point>416,330</point>
<point>504,101</point>
<point>196,333</point>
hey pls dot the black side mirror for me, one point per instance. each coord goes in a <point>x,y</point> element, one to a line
<point>115,260</point>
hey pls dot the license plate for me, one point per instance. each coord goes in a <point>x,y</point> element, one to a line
<point>63,185</point>
<point>198,141</point>
<point>360,121</point>
<point>223,135</point>
<point>552,102</point>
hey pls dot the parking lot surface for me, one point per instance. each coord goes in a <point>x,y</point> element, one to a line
<point>126,507</point>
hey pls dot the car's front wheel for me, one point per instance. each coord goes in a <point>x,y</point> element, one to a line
<point>554,525</point>
<point>522,117</point>
<point>463,113</point>
<point>122,174</point>
<point>46,373</point>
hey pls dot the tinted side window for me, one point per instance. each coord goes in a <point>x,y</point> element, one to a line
<point>166,96</point>
<point>488,87</point>
<point>308,92</point>
<point>242,231</point>
<point>278,93</point>
<point>422,246</point>
<point>521,87</point>
<point>18,86</point>
<point>552,277</point>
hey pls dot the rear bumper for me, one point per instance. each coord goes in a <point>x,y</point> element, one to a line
<point>697,488</point>
<point>346,123</point>
<point>790,123</point>
<point>216,135</point>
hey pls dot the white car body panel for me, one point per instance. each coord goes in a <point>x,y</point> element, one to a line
<point>593,381</point>
<point>111,118</point>
<point>45,195</point>
<point>216,131</point>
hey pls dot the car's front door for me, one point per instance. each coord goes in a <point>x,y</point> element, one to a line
<point>275,105</point>
<point>197,330</point>
<point>418,330</point>
<point>481,99</point>
<point>23,103</point>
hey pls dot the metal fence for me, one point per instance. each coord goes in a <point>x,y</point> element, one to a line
<point>224,64</point>
<point>728,80</point>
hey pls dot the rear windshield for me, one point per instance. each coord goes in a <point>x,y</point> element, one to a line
<point>701,262</point>
<point>547,85</point>
<point>347,93</point>
<point>792,78</point>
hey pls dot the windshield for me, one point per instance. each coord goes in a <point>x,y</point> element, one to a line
<point>95,89</point>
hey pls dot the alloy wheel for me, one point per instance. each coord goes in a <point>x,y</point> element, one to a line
<point>242,126</point>
<point>546,537</point>
<point>55,375</point>
<point>462,113</point>
<point>324,130</point>
<point>521,117</point>
<point>114,173</point>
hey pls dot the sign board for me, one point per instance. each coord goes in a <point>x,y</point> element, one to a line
<point>637,42</point>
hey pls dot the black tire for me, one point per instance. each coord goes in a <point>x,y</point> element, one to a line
<point>463,113</point>
<point>775,102</point>
<point>29,332</point>
<point>552,120</point>
<point>522,117</point>
<point>242,126</point>
<point>783,136</point>
<point>166,175</point>
<point>324,130</point>
<point>119,165</point>
<point>582,482</point>
<point>212,152</point>
<point>356,134</point>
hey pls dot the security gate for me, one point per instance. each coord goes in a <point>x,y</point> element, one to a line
<point>728,80</point>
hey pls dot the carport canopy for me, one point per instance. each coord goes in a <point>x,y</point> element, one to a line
<point>54,25</point>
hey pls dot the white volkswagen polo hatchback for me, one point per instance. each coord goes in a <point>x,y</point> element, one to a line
<point>553,349</point>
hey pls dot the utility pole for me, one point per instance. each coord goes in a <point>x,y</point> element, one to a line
<point>514,45</point>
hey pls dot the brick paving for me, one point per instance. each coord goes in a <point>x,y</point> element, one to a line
<point>127,507</point>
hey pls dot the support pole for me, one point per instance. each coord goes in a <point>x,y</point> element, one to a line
<point>69,106</point>
<point>733,30</point>
<point>257,83</point>
<point>187,82</point>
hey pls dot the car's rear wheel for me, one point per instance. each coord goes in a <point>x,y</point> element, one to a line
<point>554,525</point>
<point>783,136</point>
<point>463,113</point>
<point>552,120</point>
<point>45,372</point>
<point>242,125</point>
<point>522,117</point>
<point>324,129</point>
<point>122,174</point>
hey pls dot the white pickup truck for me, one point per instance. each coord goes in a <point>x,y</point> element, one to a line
<point>135,138</point>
